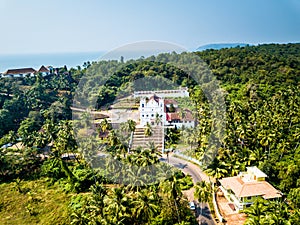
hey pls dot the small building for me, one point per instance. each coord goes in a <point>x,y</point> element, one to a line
<point>181,119</point>
<point>243,189</point>
<point>44,71</point>
<point>19,72</point>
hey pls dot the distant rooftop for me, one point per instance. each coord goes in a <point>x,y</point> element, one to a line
<point>19,71</point>
<point>43,69</point>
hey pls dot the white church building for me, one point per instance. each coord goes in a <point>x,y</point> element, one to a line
<point>159,111</point>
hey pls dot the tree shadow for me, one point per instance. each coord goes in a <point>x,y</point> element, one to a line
<point>180,165</point>
<point>206,214</point>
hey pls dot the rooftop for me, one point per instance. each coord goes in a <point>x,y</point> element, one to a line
<point>43,69</point>
<point>170,101</point>
<point>155,98</point>
<point>19,71</point>
<point>255,171</point>
<point>245,187</point>
<point>187,116</point>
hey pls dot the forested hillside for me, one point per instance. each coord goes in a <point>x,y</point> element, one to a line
<point>262,128</point>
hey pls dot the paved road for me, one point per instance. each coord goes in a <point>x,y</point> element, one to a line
<point>197,175</point>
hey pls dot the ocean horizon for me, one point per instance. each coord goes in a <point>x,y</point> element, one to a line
<point>35,61</point>
<point>14,61</point>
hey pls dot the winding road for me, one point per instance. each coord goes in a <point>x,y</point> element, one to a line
<point>197,175</point>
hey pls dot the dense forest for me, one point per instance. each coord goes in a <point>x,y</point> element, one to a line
<point>259,126</point>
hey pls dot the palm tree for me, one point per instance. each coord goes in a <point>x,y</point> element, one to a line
<point>256,213</point>
<point>13,138</point>
<point>65,143</point>
<point>104,126</point>
<point>190,137</point>
<point>131,125</point>
<point>117,206</point>
<point>134,178</point>
<point>151,146</point>
<point>126,132</point>
<point>158,119</point>
<point>148,130</point>
<point>112,139</point>
<point>217,169</point>
<point>202,192</point>
<point>99,193</point>
<point>128,126</point>
<point>279,213</point>
<point>146,206</point>
<point>172,188</point>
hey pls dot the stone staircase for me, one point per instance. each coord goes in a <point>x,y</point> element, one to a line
<point>140,139</point>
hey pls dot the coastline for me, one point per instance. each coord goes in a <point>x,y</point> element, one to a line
<point>13,61</point>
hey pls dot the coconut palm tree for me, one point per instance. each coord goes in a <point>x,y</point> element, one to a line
<point>189,137</point>
<point>104,126</point>
<point>151,146</point>
<point>217,169</point>
<point>145,206</point>
<point>148,130</point>
<point>202,193</point>
<point>112,139</point>
<point>173,189</point>
<point>158,119</point>
<point>256,213</point>
<point>99,193</point>
<point>131,125</point>
<point>117,209</point>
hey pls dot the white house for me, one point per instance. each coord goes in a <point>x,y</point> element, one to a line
<point>156,110</point>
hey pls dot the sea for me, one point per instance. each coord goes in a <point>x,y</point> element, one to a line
<point>35,61</point>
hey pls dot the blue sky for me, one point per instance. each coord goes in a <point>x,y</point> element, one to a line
<point>44,26</point>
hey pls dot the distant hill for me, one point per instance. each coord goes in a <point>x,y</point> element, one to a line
<point>220,46</point>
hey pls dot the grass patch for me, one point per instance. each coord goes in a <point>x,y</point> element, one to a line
<point>33,202</point>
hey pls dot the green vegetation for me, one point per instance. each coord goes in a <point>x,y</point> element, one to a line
<point>262,129</point>
<point>33,202</point>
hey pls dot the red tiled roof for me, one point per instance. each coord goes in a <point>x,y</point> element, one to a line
<point>250,188</point>
<point>176,116</point>
<point>170,101</point>
<point>188,116</point>
<point>173,116</point>
<point>20,71</point>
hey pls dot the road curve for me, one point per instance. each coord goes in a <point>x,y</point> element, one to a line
<point>197,175</point>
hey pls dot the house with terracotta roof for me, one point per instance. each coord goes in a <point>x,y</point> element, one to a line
<point>44,71</point>
<point>19,72</point>
<point>156,110</point>
<point>26,72</point>
<point>243,189</point>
